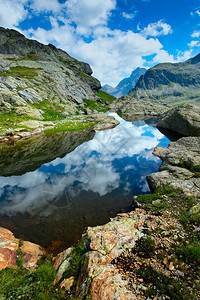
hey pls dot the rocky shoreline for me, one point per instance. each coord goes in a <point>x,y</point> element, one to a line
<point>149,253</point>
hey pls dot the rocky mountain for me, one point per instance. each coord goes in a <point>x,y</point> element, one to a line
<point>172,83</point>
<point>125,85</point>
<point>31,73</point>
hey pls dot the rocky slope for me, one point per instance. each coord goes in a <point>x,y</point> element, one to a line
<point>43,83</point>
<point>171,83</point>
<point>126,84</point>
<point>132,109</point>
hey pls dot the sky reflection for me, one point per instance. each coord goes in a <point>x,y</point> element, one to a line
<point>114,160</point>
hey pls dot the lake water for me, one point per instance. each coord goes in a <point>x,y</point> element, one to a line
<point>51,200</point>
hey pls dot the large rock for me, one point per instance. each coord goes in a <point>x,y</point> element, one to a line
<point>184,119</point>
<point>171,83</point>
<point>136,109</point>
<point>98,276</point>
<point>180,166</point>
<point>9,245</point>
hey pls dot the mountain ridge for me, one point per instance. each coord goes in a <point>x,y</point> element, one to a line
<point>172,83</point>
<point>125,85</point>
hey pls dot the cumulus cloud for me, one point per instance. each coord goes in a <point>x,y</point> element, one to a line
<point>182,56</point>
<point>157,29</point>
<point>163,56</point>
<point>89,13</point>
<point>45,6</point>
<point>12,12</point>
<point>193,44</point>
<point>195,34</point>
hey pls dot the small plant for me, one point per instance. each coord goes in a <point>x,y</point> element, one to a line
<point>145,247</point>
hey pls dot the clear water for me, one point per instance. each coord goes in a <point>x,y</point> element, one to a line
<point>53,204</point>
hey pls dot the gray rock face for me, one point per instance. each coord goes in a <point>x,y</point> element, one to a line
<point>171,83</point>
<point>125,85</point>
<point>184,119</point>
<point>136,109</point>
<point>31,72</point>
<point>180,166</point>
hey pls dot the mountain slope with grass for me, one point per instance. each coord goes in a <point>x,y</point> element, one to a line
<point>41,82</point>
<point>172,83</point>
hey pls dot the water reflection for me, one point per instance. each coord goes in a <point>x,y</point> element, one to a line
<point>84,188</point>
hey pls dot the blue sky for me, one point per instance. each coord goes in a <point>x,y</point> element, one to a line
<point>113,36</point>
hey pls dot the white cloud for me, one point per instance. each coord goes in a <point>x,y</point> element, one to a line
<point>45,6</point>
<point>157,29</point>
<point>193,44</point>
<point>163,56</point>
<point>12,12</point>
<point>182,56</point>
<point>128,16</point>
<point>89,13</point>
<point>195,34</point>
<point>110,53</point>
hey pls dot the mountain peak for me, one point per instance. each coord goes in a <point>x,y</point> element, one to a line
<point>126,84</point>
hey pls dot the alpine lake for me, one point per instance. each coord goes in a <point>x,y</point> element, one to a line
<point>53,186</point>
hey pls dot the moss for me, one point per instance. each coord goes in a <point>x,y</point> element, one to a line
<point>24,72</point>
<point>77,254</point>
<point>105,96</point>
<point>93,105</point>
<point>145,247</point>
<point>71,125</point>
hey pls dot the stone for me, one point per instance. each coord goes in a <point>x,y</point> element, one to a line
<point>28,112</point>
<point>67,283</point>
<point>184,119</point>
<point>132,109</point>
<point>8,251</point>
<point>179,162</point>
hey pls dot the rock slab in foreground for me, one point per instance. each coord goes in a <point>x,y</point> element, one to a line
<point>184,119</point>
<point>133,109</point>
<point>180,166</point>
<point>8,251</point>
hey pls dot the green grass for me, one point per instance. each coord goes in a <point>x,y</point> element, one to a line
<point>11,119</point>
<point>24,72</point>
<point>105,96</point>
<point>188,252</point>
<point>93,105</point>
<point>18,71</point>
<point>71,125</point>
<point>24,284</point>
<point>175,289</point>
<point>147,199</point>
<point>145,247</point>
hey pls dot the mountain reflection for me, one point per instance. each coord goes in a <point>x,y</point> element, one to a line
<point>88,184</point>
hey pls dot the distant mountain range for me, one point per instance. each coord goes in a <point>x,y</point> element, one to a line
<point>172,83</point>
<point>125,85</point>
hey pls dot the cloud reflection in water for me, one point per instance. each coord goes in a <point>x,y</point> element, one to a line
<point>116,160</point>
